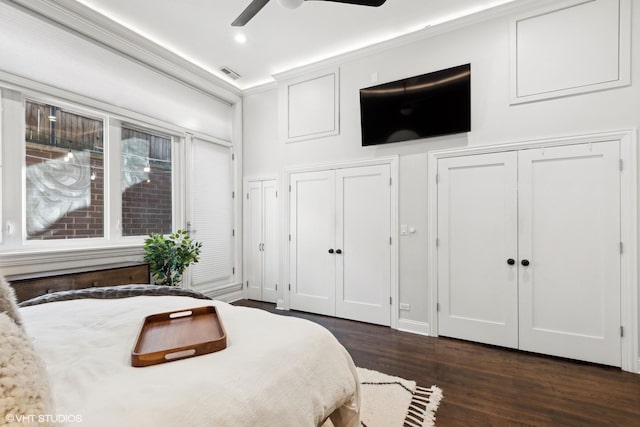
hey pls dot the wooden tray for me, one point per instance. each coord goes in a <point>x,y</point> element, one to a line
<point>175,335</point>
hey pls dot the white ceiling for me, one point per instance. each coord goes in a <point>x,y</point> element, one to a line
<point>278,39</point>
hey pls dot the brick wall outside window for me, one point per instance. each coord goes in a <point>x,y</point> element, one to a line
<point>146,207</point>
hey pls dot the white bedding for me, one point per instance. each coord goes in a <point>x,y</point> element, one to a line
<point>275,371</point>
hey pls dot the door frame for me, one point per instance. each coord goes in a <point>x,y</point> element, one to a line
<point>283,293</point>
<point>245,221</point>
<point>629,294</point>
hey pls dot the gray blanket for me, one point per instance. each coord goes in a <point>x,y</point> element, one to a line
<point>111,292</point>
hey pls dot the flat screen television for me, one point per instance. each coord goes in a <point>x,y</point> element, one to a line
<point>433,104</point>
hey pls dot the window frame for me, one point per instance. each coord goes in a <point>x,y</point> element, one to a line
<point>15,248</point>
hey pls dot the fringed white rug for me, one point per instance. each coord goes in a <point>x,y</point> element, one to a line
<point>389,401</point>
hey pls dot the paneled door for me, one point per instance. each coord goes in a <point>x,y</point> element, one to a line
<point>253,244</point>
<point>529,251</point>
<point>270,244</point>
<point>363,266</point>
<point>477,248</point>
<point>312,226</point>
<point>340,249</point>
<point>569,217</point>
<point>261,251</point>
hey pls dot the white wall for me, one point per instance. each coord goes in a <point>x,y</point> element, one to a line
<point>486,46</point>
<point>264,156</point>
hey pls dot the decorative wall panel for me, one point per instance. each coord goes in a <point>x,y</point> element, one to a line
<point>310,106</point>
<point>570,48</point>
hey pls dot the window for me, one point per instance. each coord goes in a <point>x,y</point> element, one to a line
<point>146,182</point>
<point>83,183</point>
<point>64,177</point>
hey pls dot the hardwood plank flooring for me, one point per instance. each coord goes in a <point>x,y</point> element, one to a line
<point>490,386</point>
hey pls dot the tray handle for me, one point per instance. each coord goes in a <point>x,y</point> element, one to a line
<point>179,314</point>
<point>180,354</point>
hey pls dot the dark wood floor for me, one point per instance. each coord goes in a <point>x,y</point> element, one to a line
<point>485,385</point>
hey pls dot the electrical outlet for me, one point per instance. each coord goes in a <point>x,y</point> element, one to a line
<point>405,307</point>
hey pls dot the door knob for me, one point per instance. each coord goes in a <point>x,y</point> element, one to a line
<point>338,251</point>
<point>511,261</point>
<point>330,251</point>
<point>524,262</point>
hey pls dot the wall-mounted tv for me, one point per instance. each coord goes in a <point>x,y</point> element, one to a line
<point>433,104</point>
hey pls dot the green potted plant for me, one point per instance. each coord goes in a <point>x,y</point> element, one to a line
<point>168,257</point>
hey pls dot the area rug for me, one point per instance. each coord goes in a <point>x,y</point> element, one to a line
<point>389,401</point>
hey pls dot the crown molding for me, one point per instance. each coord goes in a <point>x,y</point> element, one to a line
<point>516,6</point>
<point>264,87</point>
<point>96,28</point>
<point>83,21</point>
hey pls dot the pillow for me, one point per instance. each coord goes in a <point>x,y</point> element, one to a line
<point>8,301</point>
<point>24,385</point>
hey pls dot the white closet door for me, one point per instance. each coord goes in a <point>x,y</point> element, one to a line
<point>570,234</point>
<point>253,275</point>
<point>312,228</point>
<point>477,232</point>
<point>363,230</point>
<point>211,214</point>
<point>270,252</point>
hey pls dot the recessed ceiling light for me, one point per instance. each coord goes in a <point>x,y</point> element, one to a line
<point>241,38</point>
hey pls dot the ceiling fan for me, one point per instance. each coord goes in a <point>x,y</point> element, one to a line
<point>255,6</point>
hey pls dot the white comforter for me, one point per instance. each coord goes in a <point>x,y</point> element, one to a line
<point>275,371</point>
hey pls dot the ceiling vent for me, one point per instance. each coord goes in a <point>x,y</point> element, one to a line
<point>230,73</point>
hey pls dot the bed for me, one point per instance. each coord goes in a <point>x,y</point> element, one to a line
<point>275,371</point>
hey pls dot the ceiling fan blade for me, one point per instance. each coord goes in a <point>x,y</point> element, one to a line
<point>249,12</point>
<point>374,3</point>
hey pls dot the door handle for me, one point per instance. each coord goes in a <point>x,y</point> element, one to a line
<point>511,261</point>
<point>330,251</point>
<point>190,231</point>
<point>524,262</point>
<point>338,251</point>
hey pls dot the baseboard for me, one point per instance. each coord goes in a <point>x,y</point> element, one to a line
<point>227,293</point>
<point>230,297</point>
<point>413,326</point>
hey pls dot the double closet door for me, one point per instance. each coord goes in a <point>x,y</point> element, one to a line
<point>529,250</point>
<point>340,243</point>
<point>261,247</point>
